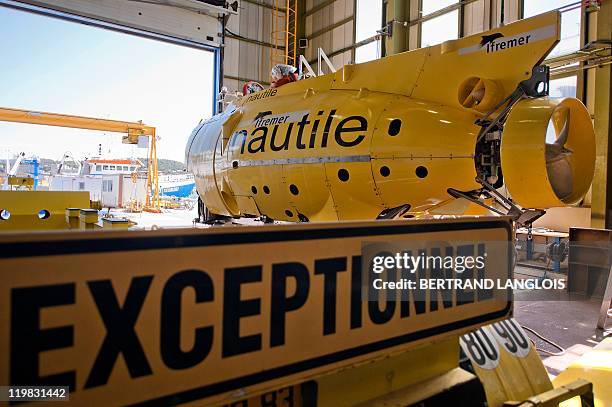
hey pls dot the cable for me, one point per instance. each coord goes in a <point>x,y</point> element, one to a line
<point>236,35</point>
<point>547,341</point>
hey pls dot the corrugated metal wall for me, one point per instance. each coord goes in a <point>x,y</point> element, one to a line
<point>327,24</point>
<point>330,25</point>
<point>248,58</point>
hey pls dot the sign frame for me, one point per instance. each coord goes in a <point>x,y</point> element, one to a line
<point>14,246</point>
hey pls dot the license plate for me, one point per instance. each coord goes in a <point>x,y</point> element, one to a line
<point>300,395</point>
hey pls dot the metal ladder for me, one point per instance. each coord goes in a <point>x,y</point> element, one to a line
<point>283,35</point>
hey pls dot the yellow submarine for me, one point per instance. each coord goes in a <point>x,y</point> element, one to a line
<point>440,130</point>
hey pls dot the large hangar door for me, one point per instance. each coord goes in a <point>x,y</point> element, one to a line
<point>192,21</point>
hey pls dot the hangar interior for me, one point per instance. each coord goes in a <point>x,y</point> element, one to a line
<point>248,38</point>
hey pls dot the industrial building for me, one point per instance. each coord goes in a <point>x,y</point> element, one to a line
<point>312,202</point>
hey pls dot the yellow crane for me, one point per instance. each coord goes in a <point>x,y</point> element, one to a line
<point>132,131</point>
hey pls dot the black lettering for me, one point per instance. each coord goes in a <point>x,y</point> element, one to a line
<point>261,140</point>
<point>240,134</point>
<point>285,144</point>
<point>479,347</point>
<point>512,335</point>
<point>488,348</point>
<point>289,399</point>
<point>473,349</point>
<point>377,315</point>
<point>483,293</point>
<point>463,296</point>
<point>268,399</point>
<point>170,339</point>
<point>234,309</point>
<point>443,273</point>
<point>244,139</point>
<point>328,124</point>
<point>509,342</point>
<point>418,294</point>
<point>281,303</point>
<point>330,269</point>
<point>120,337</point>
<point>313,132</point>
<point>516,332</point>
<point>28,340</point>
<point>363,126</point>
<point>301,124</point>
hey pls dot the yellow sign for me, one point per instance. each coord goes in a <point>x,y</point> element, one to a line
<point>221,314</point>
<point>502,354</point>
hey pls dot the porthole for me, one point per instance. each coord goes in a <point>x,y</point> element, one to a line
<point>254,190</point>
<point>5,214</point>
<point>266,189</point>
<point>289,213</point>
<point>385,171</point>
<point>421,171</point>
<point>343,175</point>
<point>394,127</point>
<point>43,214</point>
<point>294,189</point>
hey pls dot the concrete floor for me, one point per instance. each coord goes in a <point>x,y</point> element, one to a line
<point>169,218</point>
<point>571,323</point>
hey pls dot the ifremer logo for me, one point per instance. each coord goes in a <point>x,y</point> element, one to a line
<point>496,42</point>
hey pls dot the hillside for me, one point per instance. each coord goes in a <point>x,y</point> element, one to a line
<point>166,165</point>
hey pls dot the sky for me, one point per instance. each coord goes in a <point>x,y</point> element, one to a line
<point>368,21</point>
<point>52,65</point>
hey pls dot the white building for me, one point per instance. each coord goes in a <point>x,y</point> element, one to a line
<point>113,191</point>
<point>98,166</point>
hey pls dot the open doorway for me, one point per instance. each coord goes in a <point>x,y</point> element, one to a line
<point>53,65</point>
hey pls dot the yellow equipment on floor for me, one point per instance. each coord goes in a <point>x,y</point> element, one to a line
<point>20,182</point>
<point>38,210</point>
<point>53,210</point>
<point>595,366</point>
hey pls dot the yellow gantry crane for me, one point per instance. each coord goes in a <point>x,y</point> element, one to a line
<point>132,131</point>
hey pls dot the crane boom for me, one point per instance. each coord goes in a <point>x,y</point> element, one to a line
<point>132,131</point>
<point>77,122</point>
